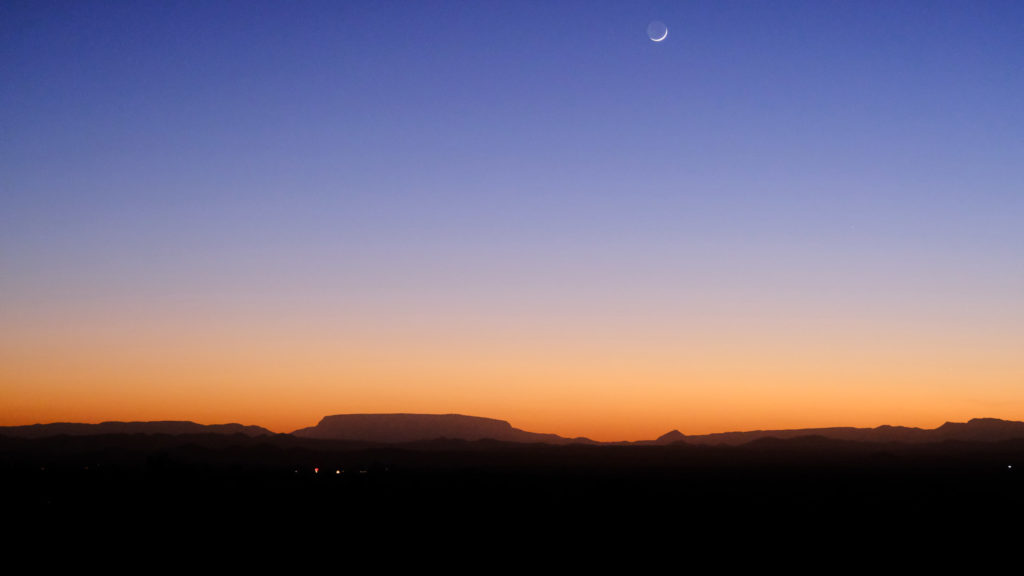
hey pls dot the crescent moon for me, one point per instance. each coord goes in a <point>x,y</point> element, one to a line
<point>663,36</point>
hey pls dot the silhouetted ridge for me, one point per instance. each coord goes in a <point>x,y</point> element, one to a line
<point>160,427</point>
<point>393,428</point>
<point>670,437</point>
<point>975,430</point>
<point>981,429</point>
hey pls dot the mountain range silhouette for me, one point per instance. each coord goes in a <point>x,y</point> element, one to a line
<point>369,474</point>
<point>402,428</point>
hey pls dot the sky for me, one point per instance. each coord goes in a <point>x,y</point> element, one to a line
<point>786,214</point>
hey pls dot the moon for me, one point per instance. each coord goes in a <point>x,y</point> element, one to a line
<point>657,31</point>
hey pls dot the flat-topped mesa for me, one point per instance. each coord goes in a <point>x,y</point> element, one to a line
<point>394,428</point>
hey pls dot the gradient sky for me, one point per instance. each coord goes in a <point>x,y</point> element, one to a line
<point>787,214</point>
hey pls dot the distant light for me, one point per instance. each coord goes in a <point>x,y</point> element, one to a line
<point>337,471</point>
<point>316,470</point>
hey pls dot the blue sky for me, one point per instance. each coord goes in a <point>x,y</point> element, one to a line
<point>842,160</point>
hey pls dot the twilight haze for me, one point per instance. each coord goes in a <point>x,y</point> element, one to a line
<point>784,215</point>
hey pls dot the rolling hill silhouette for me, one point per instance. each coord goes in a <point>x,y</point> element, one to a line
<point>172,427</point>
<point>975,430</point>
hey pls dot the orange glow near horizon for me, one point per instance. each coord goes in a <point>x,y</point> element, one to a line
<point>771,219</point>
<point>615,385</point>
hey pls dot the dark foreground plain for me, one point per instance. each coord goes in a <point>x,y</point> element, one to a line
<point>810,489</point>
